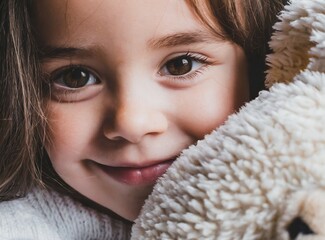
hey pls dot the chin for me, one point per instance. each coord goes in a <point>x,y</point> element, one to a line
<point>131,214</point>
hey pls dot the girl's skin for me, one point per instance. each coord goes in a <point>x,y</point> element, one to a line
<point>133,84</point>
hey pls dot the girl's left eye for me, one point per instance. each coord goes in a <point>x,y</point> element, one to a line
<point>74,78</point>
<point>182,65</point>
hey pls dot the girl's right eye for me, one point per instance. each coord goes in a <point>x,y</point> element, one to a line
<point>74,78</point>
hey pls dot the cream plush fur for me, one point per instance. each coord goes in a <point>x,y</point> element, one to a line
<point>263,168</point>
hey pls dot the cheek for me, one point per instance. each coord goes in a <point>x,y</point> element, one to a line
<point>69,132</point>
<point>205,114</point>
<point>208,108</point>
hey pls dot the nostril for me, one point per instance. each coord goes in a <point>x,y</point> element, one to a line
<point>116,138</point>
<point>298,226</point>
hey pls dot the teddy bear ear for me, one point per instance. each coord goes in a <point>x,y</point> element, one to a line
<point>298,41</point>
<point>309,224</point>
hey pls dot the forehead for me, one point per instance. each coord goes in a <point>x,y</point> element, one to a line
<point>66,21</point>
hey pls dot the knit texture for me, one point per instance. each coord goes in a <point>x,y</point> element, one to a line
<point>250,178</point>
<point>48,215</point>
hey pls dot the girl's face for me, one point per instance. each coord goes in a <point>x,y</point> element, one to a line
<point>133,83</point>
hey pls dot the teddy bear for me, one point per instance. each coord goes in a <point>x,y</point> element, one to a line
<point>261,175</point>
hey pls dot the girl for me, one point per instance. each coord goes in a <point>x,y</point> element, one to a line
<point>99,99</point>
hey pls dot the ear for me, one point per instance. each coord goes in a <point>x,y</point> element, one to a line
<point>292,54</point>
<point>309,225</point>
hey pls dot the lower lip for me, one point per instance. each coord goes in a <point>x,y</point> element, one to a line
<point>137,176</point>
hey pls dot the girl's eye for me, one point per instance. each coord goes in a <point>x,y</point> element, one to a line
<point>75,77</point>
<point>179,66</point>
<point>183,65</point>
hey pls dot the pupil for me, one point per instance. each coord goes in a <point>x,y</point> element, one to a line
<point>76,78</point>
<point>179,66</point>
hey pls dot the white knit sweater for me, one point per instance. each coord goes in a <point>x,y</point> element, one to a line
<point>48,215</point>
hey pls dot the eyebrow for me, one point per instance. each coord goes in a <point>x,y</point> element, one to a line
<point>52,52</point>
<point>183,38</point>
<point>171,40</point>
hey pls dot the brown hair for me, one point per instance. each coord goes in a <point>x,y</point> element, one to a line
<point>22,126</point>
<point>21,118</point>
<point>247,23</point>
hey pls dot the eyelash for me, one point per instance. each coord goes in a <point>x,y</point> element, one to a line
<point>193,74</point>
<point>61,71</point>
<point>188,77</point>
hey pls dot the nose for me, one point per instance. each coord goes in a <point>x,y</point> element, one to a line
<point>134,117</point>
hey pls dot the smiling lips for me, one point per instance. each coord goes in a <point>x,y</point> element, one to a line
<point>137,175</point>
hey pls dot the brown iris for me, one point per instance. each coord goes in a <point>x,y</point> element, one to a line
<point>179,66</point>
<point>76,78</point>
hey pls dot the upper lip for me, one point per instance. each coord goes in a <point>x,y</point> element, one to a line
<point>139,164</point>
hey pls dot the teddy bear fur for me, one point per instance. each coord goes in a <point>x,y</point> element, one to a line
<point>265,167</point>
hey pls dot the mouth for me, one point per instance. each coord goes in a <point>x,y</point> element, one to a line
<point>137,175</point>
